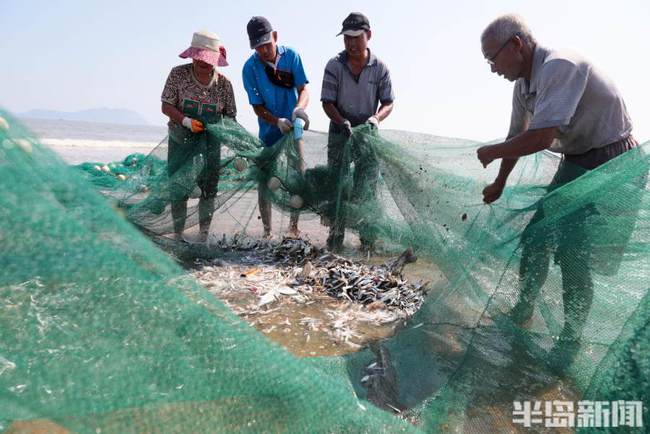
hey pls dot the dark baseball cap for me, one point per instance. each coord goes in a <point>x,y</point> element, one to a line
<point>355,24</point>
<point>259,31</point>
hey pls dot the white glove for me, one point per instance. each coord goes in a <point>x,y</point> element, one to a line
<point>300,112</point>
<point>193,125</point>
<point>373,121</point>
<point>284,125</point>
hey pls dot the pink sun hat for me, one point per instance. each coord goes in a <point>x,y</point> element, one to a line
<point>207,47</point>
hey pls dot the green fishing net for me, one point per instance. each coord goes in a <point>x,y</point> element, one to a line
<point>541,296</point>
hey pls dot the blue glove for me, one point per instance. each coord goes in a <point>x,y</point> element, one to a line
<point>300,113</point>
<point>298,127</point>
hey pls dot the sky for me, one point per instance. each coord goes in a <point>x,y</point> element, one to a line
<point>74,55</point>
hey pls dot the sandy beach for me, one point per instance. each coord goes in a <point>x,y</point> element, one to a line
<point>323,326</point>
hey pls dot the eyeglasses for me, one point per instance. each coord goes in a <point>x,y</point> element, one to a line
<point>491,60</point>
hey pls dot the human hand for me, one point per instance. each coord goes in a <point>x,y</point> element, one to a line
<point>373,122</point>
<point>284,125</point>
<point>346,127</point>
<point>193,125</point>
<point>300,112</point>
<point>485,155</point>
<point>298,127</point>
<point>493,191</point>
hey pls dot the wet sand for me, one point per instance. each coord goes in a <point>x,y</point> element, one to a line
<point>303,319</point>
<point>285,321</point>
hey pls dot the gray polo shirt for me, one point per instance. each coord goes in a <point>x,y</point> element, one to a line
<point>567,92</point>
<point>356,98</point>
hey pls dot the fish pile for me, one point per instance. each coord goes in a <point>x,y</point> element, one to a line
<point>309,300</point>
<point>375,286</point>
<point>380,286</point>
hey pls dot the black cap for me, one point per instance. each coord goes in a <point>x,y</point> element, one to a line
<point>355,24</point>
<point>259,31</point>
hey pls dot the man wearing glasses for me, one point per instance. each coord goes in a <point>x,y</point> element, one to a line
<point>563,104</point>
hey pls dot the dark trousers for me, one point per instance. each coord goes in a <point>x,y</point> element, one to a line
<point>572,245</point>
<point>184,150</point>
<point>341,152</point>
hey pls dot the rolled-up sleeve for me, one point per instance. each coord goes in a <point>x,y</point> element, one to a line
<point>561,86</point>
<point>330,88</point>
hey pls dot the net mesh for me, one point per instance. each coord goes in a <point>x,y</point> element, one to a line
<point>540,296</point>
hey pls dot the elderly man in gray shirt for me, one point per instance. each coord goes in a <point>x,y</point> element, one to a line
<point>355,83</point>
<point>564,104</point>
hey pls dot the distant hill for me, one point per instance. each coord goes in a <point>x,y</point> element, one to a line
<point>102,115</point>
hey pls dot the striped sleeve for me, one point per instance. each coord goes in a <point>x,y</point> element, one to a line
<point>330,88</point>
<point>386,95</point>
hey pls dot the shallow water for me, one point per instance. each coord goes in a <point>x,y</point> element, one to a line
<point>321,326</point>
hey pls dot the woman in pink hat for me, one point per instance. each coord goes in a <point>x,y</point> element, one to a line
<point>196,94</point>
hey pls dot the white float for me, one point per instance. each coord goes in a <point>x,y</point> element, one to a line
<point>240,164</point>
<point>274,183</point>
<point>296,201</point>
<point>25,145</point>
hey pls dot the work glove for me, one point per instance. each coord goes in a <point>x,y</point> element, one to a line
<point>193,125</point>
<point>300,112</point>
<point>346,127</point>
<point>373,122</point>
<point>298,127</point>
<point>284,125</point>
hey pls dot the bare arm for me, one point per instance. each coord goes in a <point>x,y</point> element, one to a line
<point>526,143</point>
<point>303,97</point>
<point>265,114</point>
<point>270,118</point>
<point>333,113</point>
<point>507,164</point>
<point>384,111</point>
<point>493,191</point>
<point>172,112</point>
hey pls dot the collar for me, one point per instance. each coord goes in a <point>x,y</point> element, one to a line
<point>213,78</point>
<point>539,56</point>
<point>281,50</point>
<point>372,59</point>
